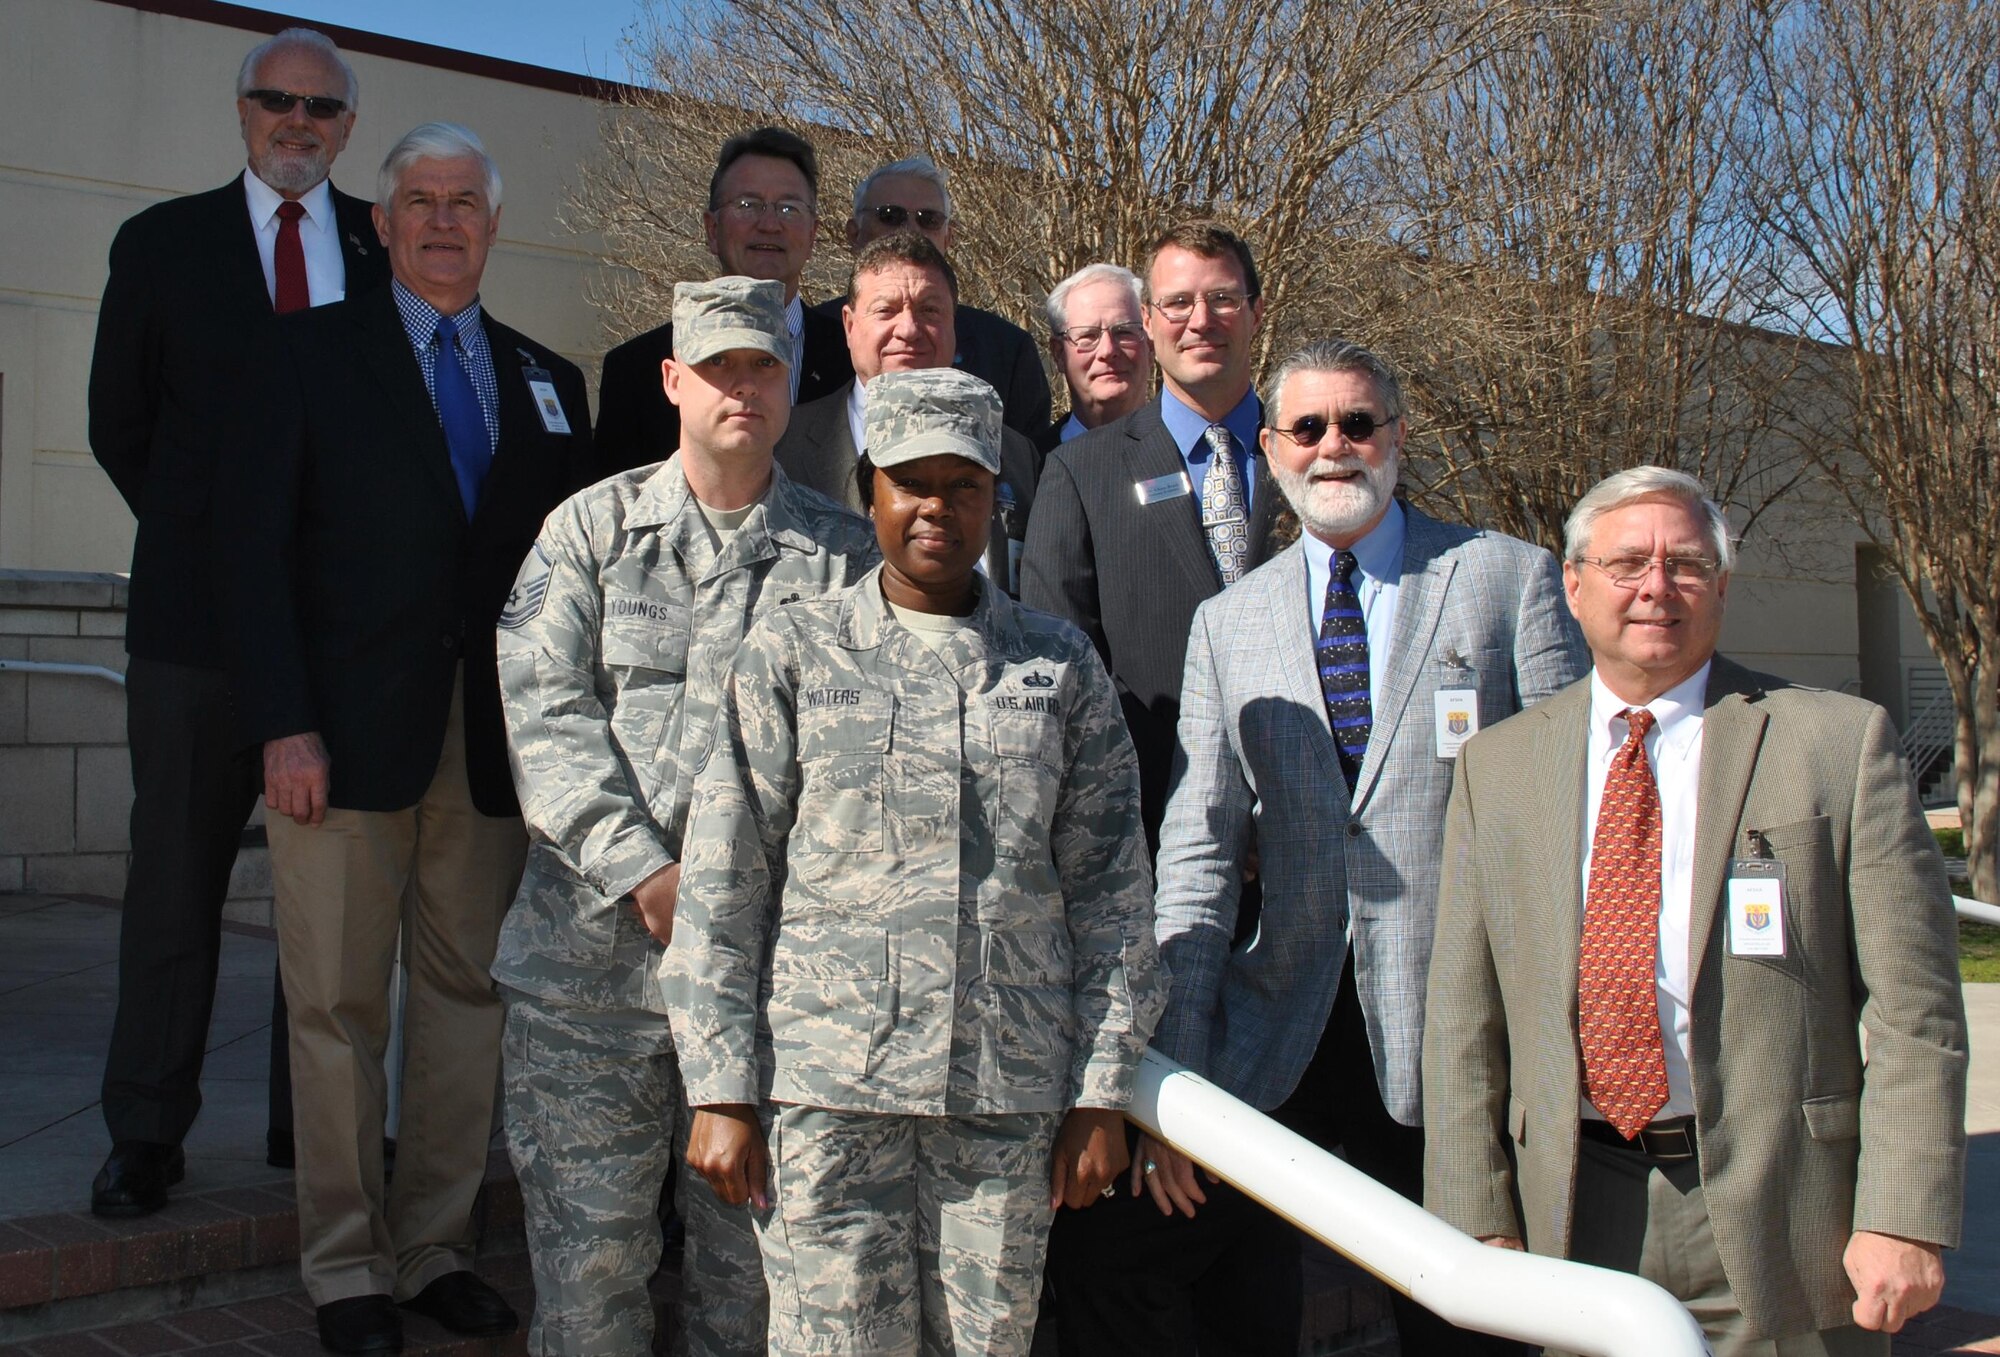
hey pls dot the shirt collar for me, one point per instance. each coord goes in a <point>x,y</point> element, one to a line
<point>420,318</point>
<point>1379,553</point>
<point>1071,428</point>
<point>264,200</point>
<point>1187,425</point>
<point>1676,712</point>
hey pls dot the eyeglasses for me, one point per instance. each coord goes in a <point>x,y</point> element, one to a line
<point>790,211</point>
<point>893,215</point>
<point>1085,339</point>
<point>1356,426</point>
<point>319,107</point>
<point>1179,307</point>
<point>1629,572</point>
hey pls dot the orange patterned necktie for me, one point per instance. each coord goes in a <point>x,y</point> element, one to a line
<point>1618,1016</point>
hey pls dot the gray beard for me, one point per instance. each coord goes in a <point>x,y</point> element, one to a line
<point>289,174</point>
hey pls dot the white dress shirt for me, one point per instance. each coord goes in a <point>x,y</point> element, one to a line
<point>857,415</point>
<point>1673,746</point>
<point>319,234</point>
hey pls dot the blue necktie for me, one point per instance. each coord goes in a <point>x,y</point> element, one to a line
<point>464,422</point>
<point>1343,665</point>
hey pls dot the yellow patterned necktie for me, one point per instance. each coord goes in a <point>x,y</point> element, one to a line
<point>1223,516</point>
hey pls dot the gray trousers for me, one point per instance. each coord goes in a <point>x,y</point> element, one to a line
<point>890,1236</point>
<point>1637,1214</point>
<point>595,1122</point>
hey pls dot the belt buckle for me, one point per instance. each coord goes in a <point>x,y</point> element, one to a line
<point>1672,1142</point>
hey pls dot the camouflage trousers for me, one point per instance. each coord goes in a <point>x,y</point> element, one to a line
<point>892,1235</point>
<point>595,1122</point>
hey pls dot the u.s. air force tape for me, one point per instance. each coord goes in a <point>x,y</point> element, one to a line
<point>531,586</point>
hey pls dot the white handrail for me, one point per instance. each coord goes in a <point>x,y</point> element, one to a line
<point>62,667</point>
<point>1588,1310</point>
<point>1976,909</point>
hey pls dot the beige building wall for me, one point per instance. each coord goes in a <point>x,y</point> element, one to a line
<point>106,108</point>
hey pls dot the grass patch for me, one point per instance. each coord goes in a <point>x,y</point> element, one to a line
<point>1951,842</point>
<point>1978,952</point>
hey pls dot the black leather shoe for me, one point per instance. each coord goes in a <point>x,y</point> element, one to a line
<point>464,1304</point>
<point>135,1179</point>
<point>360,1324</point>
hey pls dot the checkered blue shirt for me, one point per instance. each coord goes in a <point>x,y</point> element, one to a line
<point>420,320</point>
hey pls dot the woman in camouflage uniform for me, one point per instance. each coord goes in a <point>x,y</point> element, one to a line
<point>917,955</point>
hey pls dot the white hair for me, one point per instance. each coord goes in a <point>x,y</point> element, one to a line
<point>1648,482</point>
<point>916,167</point>
<point>1058,305</point>
<point>299,39</point>
<point>434,141</point>
<point>1334,355</point>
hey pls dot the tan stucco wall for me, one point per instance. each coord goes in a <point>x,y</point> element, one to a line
<point>105,109</point>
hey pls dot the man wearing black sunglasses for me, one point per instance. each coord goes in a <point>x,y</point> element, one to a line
<point>1323,701</point>
<point>913,193</point>
<point>195,284</point>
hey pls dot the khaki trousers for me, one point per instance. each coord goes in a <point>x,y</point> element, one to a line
<point>1639,1214</point>
<point>442,875</point>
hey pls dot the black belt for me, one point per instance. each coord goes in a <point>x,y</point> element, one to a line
<point>1668,1140</point>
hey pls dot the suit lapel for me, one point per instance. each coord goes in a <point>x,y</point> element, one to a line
<point>1732,732</point>
<point>385,346</point>
<point>1420,596</point>
<point>1556,784</point>
<point>1150,453</point>
<point>1298,665</point>
<point>834,450</point>
<point>518,421</point>
<point>359,249</point>
<point>242,268</point>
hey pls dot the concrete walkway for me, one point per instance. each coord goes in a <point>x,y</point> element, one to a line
<point>58,973</point>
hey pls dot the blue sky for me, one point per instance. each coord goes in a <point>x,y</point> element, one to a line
<point>569,35</point>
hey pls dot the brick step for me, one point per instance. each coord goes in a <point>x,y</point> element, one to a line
<point>70,1272</point>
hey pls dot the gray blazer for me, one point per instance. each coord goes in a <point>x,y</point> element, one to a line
<point>818,450</point>
<point>1800,1144</point>
<point>1255,751</point>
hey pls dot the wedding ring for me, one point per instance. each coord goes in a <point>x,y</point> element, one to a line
<point>1150,1166</point>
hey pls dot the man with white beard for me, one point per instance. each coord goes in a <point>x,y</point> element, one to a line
<point>1325,697</point>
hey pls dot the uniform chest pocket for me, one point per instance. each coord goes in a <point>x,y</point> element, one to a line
<point>1029,757</point>
<point>646,660</point>
<point>844,741</point>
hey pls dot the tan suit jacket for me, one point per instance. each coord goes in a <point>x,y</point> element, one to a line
<point>1800,1143</point>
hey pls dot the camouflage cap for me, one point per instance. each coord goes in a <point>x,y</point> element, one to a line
<point>730,313</point>
<point>937,410</point>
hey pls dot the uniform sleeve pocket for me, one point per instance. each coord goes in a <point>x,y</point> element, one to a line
<point>844,738</point>
<point>1833,1118</point>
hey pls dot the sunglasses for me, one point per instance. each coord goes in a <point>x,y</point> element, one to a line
<point>893,215</point>
<point>1356,426</point>
<point>319,107</point>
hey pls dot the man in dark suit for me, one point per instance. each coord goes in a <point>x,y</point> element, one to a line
<point>1097,339</point>
<point>400,454</point>
<point>913,193</point>
<point>763,207</point>
<point>1137,522</point>
<point>899,319</point>
<point>1678,899</point>
<point>194,285</point>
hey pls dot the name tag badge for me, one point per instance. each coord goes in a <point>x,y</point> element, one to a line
<point>1173,486</point>
<point>1756,907</point>
<point>543,388</point>
<point>1457,719</point>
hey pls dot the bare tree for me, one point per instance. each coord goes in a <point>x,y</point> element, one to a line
<point>1073,129</point>
<point>1879,162</point>
<point>1575,240</point>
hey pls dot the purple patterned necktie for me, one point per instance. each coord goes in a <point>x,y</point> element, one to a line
<point>1342,652</point>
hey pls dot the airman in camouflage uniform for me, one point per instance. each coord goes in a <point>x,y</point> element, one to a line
<point>916,917</point>
<point>613,654</point>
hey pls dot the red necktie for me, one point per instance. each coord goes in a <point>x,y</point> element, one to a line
<point>1618,1016</point>
<point>290,258</point>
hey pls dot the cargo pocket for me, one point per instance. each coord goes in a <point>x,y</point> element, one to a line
<point>841,753</point>
<point>827,1009</point>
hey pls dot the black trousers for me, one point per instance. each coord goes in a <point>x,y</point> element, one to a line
<point>1122,1278</point>
<point>193,789</point>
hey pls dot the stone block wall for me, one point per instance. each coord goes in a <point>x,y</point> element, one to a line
<point>65,772</point>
